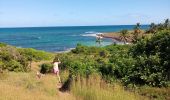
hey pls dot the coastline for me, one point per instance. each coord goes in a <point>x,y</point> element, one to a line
<point>117,35</point>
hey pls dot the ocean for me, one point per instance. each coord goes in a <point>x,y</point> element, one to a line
<point>57,39</point>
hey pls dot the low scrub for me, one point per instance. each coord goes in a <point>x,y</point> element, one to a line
<point>46,68</point>
<point>19,59</point>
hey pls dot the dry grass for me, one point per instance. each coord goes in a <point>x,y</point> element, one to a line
<point>155,92</point>
<point>26,86</point>
<point>96,89</point>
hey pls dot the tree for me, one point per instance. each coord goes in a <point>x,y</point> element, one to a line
<point>136,33</point>
<point>152,28</point>
<point>167,24</point>
<point>152,60</point>
<point>123,35</point>
<point>160,26</point>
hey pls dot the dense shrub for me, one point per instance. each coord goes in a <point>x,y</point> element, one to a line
<point>12,60</point>
<point>152,60</point>
<point>81,49</point>
<point>19,59</point>
<point>35,55</point>
<point>46,68</point>
<point>15,66</point>
<point>77,64</point>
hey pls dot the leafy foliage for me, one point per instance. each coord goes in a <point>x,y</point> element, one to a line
<point>123,35</point>
<point>143,63</point>
<point>152,60</point>
<point>46,68</point>
<point>18,59</point>
<point>35,55</point>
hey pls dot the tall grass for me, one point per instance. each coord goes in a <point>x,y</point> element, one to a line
<point>26,86</point>
<point>94,88</point>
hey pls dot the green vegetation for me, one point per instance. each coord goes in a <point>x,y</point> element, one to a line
<point>123,35</point>
<point>19,59</point>
<point>144,63</point>
<point>3,44</point>
<point>152,60</point>
<point>36,55</point>
<point>162,26</point>
<point>46,68</point>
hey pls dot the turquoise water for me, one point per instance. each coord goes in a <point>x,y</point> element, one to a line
<point>56,39</point>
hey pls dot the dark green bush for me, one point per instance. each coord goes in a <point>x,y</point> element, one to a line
<point>81,49</point>
<point>152,60</point>
<point>46,68</point>
<point>15,66</point>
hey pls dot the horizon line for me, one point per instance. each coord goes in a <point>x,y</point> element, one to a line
<point>68,26</point>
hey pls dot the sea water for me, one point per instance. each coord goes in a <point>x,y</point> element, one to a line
<point>56,39</point>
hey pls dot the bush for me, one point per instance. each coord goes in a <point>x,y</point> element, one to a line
<point>19,59</point>
<point>14,66</point>
<point>46,68</point>
<point>81,49</point>
<point>152,60</point>
<point>35,55</point>
<point>12,60</point>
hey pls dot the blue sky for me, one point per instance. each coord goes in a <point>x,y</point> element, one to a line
<point>23,13</point>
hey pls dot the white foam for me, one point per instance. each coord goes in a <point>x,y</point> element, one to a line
<point>91,34</point>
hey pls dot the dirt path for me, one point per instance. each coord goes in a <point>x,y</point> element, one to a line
<point>61,95</point>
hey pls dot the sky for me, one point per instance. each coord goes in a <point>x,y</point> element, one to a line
<point>34,13</point>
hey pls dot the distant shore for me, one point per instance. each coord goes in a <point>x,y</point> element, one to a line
<point>117,35</point>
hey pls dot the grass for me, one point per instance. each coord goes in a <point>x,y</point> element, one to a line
<point>96,89</point>
<point>26,86</point>
<point>155,92</point>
